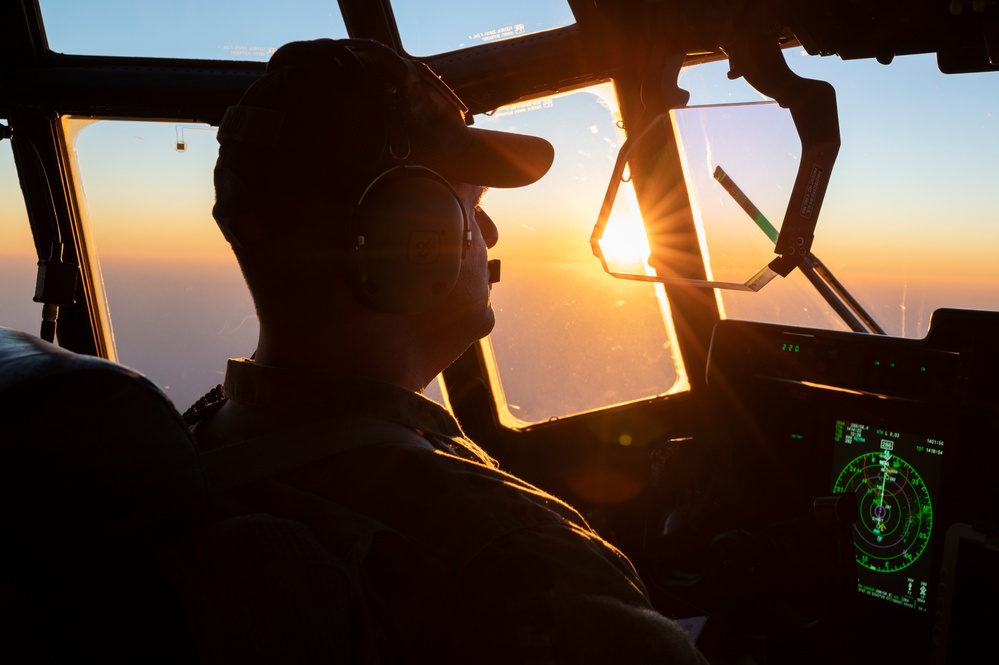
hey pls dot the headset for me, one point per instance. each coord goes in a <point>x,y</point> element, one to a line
<point>409,230</point>
<point>411,233</point>
<point>410,226</point>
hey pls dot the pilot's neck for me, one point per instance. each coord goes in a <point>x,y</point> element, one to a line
<point>374,352</point>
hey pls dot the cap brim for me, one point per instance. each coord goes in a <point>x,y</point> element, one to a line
<point>499,159</point>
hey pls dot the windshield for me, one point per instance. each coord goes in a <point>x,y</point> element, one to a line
<point>909,222</point>
<point>563,332</point>
<point>911,216</point>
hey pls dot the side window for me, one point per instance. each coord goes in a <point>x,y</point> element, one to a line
<point>568,337</point>
<point>177,301</point>
<point>18,262</point>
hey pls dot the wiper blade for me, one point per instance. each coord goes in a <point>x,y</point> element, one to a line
<point>754,283</point>
<point>821,277</point>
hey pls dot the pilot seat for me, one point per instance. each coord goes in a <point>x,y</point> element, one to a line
<point>115,549</point>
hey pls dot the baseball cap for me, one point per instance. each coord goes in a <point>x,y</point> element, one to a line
<point>328,116</point>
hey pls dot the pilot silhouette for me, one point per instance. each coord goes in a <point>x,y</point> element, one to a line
<point>349,183</point>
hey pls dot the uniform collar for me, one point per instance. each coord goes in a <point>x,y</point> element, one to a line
<point>312,393</point>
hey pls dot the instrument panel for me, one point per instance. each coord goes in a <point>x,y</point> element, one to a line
<point>831,467</point>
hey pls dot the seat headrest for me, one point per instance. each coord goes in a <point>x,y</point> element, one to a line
<point>90,449</point>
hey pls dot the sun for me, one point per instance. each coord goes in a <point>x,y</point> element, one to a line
<point>624,243</point>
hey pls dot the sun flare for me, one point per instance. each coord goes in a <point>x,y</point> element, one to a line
<point>624,243</point>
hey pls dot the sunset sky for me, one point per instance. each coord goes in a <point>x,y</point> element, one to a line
<point>910,222</point>
<point>918,149</point>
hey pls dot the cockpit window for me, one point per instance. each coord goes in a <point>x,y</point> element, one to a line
<point>17,252</point>
<point>204,29</point>
<point>911,213</point>
<point>565,330</point>
<point>177,300</point>
<point>253,29</point>
<point>752,147</point>
<point>448,25</point>
<point>568,337</point>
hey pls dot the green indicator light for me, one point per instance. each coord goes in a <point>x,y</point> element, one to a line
<point>877,363</point>
<point>798,437</point>
<point>922,369</point>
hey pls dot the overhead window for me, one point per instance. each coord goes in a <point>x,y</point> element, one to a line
<point>448,25</point>
<point>204,29</point>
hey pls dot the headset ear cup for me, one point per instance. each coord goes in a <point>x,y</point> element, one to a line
<point>410,228</point>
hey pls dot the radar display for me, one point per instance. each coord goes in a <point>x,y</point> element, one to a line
<point>893,476</point>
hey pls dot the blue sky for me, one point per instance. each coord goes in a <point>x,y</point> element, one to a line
<point>250,29</point>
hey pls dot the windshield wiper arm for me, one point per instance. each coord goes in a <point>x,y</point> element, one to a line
<point>821,277</point>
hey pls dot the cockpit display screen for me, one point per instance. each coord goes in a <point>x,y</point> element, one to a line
<point>895,477</point>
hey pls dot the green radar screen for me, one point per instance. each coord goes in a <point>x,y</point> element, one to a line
<point>894,477</point>
<point>895,512</point>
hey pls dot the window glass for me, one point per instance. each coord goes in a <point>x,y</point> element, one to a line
<point>725,142</point>
<point>179,306</point>
<point>176,297</point>
<point>910,221</point>
<point>208,29</point>
<point>447,25</point>
<point>18,261</point>
<point>569,338</point>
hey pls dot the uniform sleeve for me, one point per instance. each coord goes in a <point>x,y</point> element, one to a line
<point>561,595</point>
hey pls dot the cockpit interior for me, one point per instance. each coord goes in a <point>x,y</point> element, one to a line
<point>798,454</point>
